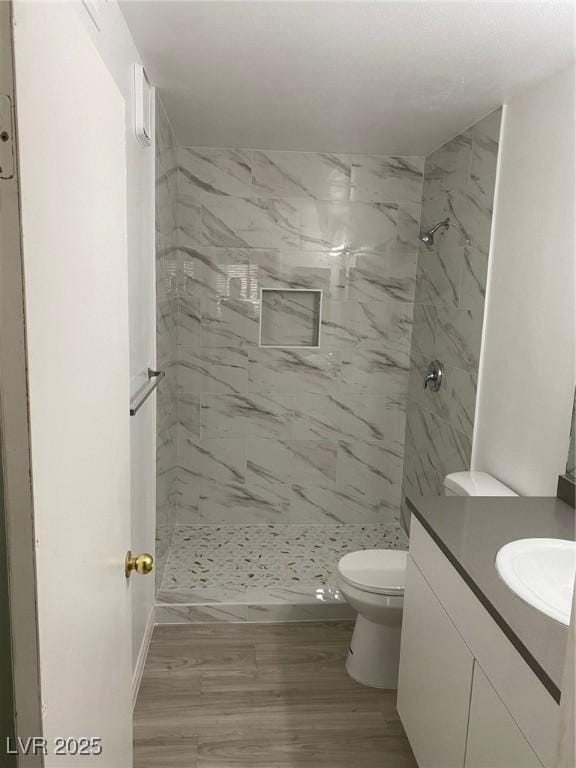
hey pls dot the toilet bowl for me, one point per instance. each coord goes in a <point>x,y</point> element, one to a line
<point>372,582</point>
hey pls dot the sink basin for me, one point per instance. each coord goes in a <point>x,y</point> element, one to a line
<point>541,572</point>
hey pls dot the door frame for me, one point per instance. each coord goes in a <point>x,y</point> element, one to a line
<point>15,436</point>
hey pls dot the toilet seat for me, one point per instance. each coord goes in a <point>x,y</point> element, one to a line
<point>379,571</point>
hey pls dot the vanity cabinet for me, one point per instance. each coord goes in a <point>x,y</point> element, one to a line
<point>466,696</point>
<point>494,739</point>
<point>436,673</point>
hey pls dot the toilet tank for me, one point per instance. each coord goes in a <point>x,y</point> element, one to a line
<point>474,484</point>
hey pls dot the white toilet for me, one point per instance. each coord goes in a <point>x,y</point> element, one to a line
<point>372,582</point>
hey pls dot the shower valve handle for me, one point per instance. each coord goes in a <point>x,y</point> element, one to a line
<point>434,375</point>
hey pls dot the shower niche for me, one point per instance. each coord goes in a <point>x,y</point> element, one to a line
<point>290,317</point>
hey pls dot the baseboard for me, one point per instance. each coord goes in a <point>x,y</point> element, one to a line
<point>143,653</point>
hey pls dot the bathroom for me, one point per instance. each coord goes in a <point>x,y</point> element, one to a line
<point>337,293</point>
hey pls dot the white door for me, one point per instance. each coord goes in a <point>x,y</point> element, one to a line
<point>73,189</point>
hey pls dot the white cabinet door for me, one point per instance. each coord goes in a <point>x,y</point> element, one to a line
<point>494,739</point>
<point>435,678</point>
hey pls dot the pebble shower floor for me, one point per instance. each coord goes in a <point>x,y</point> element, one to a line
<point>279,564</point>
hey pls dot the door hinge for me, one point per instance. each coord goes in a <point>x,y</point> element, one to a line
<point>6,138</point>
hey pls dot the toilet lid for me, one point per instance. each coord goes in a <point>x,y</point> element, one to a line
<point>382,571</point>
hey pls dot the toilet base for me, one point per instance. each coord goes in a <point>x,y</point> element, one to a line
<point>374,654</point>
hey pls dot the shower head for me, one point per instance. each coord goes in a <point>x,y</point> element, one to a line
<point>428,237</point>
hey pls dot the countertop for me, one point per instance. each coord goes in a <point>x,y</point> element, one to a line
<point>470,531</point>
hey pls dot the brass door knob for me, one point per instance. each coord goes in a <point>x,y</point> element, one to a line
<point>142,563</point>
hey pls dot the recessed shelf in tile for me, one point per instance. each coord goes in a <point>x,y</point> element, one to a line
<point>290,317</point>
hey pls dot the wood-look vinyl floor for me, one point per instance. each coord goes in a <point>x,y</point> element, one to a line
<point>261,696</point>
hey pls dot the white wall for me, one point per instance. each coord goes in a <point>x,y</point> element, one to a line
<point>527,368</point>
<point>117,48</point>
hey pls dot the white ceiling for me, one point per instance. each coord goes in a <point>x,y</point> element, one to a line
<point>368,77</point>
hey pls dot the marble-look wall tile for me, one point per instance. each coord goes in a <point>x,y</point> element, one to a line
<point>408,230</point>
<point>165,206</point>
<point>380,179</point>
<point>340,226</point>
<point>474,277</point>
<point>199,614</point>
<point>366,324</point>
<point>458,337</point>
<point>369,284</point>
<point>253,612</point>
<point>450,163</point>
<point>250,222</point>
<point>301,174</point>
<point>166,269</point>
<point>212,459</point>
<point>242,503</point>
<point>416,482</point>
<point>161,546</point>
<point>485,136</point>
<point>165,330</point>
<point>434,446</point>
<point>253,415</point>
<point>213,369</point>
<point>166,323</point>
<point>371,471</point>
<point>165,146</point>
<point>383,369</point>
<point>289,270</point>
<point>166,219</point>
<point>166,412</point>
<point>423,341</point>
<point>172,592</point>
<point>189,413</point>
<point>435,208</point>
<point>165,490</point>
<point>439,276</point>
<point>296,593</point>
<point>455,402</point>
<point>471,216</point>
<point>215,273</point>
<point>187,497</point>
<point>230,322</point>
<point>315,505</point>
<point>459,180</point>
<point>215,171</point>
<point>189,225</point>
<point>293,370</point>
<point>304,462</point>
<point>166,450</point>
<point>189,328</point>
<point>446,332</point>
<point>344,416</point>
